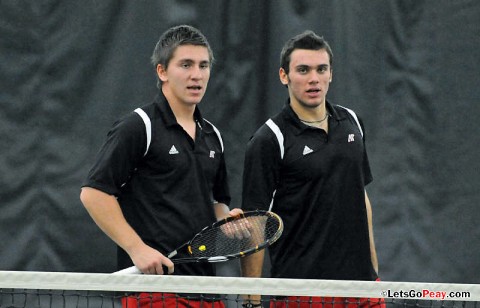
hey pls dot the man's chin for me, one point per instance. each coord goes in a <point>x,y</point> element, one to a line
<point>311,104</point>
<point>195,102</point>
<point>194,99</point>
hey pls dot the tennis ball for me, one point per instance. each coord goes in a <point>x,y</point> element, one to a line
<point>202,248</point>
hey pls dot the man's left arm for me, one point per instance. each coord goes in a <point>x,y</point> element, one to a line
<point>373,252</point>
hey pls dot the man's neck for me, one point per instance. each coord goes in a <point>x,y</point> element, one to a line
<point>183,112</point>
<point>309,113</point>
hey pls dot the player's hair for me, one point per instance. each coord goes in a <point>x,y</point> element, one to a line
<point>306,40</point>
<point>174,37</point>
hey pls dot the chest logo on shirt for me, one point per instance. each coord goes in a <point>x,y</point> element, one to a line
<point>173,150</point>
<point>351,138</point>
<point>307,150</point>
<point>212,154</point>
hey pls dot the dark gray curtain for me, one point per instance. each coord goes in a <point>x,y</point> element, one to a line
<point>69,69</point>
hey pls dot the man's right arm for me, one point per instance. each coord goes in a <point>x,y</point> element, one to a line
<point>107,214</point>
<point>252,266</point>
<point>260,173</point>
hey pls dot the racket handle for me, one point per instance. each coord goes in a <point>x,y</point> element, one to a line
<point>129,270</point>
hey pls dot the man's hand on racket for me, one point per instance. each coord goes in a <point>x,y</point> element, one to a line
<point>151,262</point>
<point>238,228</point>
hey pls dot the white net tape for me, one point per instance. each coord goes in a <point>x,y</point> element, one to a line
<point>232,285</point>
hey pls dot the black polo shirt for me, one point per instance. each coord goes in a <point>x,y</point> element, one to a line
<point>319,188</point>
<point>167,194</point>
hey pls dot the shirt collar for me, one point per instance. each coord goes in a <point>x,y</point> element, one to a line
<point>298,126</point>
<point>168,116</point>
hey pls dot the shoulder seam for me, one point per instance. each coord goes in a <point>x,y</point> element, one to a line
<point>354,115</point>
<point>148,127</point>
<point>216,132</point>
<point>278,133</point>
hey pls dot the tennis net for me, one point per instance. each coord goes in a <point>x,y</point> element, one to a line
<point>59,289</point>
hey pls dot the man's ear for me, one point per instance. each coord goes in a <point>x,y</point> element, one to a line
<point>162,73</point>
<point>283,76</point>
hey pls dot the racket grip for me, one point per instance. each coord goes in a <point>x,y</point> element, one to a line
<point>129,271</point>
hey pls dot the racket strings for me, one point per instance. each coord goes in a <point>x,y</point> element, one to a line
<point>235,237</point>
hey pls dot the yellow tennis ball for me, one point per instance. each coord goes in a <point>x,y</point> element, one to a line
<point>202,248</point>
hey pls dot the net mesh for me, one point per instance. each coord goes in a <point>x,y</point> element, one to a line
<point>44,289</point>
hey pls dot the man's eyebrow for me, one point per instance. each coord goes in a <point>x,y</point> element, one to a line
<point>312,66</point>
<point>188,60</point>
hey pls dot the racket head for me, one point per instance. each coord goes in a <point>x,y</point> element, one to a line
<point>234,237</point>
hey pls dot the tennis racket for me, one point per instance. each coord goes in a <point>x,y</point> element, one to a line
<point>227,239</point>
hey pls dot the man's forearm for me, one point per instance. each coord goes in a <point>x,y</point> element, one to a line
<point>373,251</point>
<point>107,214</point>
<point>252,265</point>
